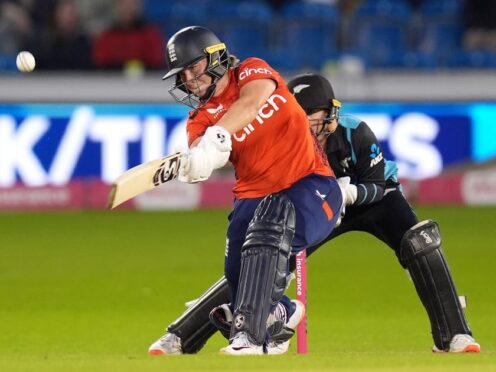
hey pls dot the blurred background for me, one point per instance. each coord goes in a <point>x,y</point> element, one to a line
<point>421,73</point>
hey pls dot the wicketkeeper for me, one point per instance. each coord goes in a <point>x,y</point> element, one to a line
<point>374,204</point>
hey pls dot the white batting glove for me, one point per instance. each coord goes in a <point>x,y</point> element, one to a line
<point>202,171</point>
<point>348,190</point>
<point>212,152</point>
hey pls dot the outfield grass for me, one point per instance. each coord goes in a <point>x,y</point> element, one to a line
<point>91,291</point>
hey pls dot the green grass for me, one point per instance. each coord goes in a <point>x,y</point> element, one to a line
<point>91,291</point>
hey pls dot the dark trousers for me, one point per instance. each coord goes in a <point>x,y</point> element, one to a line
<point>387,220</point>
<point>317,201</point>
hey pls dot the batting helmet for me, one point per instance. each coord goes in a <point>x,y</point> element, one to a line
<point>188,46</point>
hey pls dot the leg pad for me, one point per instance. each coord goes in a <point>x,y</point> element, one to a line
<point>264,265</point>
<point>422,255</point>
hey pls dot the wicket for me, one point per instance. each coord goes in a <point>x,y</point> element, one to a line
<point>301,295</point>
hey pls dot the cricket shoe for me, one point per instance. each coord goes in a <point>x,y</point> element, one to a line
<point>460,343</point>
<point>280,347</point>
<point>241,345</point>
<point>168,344</point>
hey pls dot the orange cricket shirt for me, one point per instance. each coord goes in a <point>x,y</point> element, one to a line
<point>273,151</point>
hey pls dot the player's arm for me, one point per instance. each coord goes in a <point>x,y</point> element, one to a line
<point>369,167</point>
<point>252,96</point>
<point>211,151</point>
<point>244,110</point>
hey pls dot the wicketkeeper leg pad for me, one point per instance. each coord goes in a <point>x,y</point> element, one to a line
<point>264,265</point>
<point>422,255</point>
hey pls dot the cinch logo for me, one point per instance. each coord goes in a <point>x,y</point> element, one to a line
<point>248,71</point>
<point>172,52</point>
<point>266,111</point>
<point>375,154</point>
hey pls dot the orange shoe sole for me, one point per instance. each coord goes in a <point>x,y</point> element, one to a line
<point>472,349</point>
<point>156,352</point>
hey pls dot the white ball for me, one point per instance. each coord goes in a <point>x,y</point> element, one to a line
<point>25,62</point>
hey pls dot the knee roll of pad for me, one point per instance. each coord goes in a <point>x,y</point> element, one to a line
<point>264,265</point>
<point>273,224</point>
<point>420,240</point>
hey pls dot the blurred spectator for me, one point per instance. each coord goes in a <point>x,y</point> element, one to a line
<point>415,4</point>
<point>96,15</point>
<point>480,23</point>
<point>132,40</point>
<point>347,26</point>
<point>62,46</point>
<point>41,11</point>
<point>15,27</point>
<point>325,2</point>
<point>278,4</point>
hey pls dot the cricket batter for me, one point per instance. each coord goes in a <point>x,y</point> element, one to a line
<point>374,204</point>
<point>286,197</point>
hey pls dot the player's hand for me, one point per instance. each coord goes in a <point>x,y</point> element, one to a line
<point>212,152</point>
<point>348,190</point>
<point>192,159</point>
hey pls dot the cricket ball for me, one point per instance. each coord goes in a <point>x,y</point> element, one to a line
<point>25,62</point>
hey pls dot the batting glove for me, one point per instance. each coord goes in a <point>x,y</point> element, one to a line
<point>212,152</point>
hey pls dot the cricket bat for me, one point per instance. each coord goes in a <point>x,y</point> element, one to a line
<point>144,177</point>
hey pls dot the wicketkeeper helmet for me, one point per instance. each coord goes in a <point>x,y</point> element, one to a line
<point>314,92</point>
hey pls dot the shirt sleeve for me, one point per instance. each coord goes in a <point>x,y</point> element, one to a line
<point>369,166</point>
<point>255,69</point>
<point>195,127</point>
